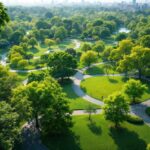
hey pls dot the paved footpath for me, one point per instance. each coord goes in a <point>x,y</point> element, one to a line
<point>138,109</point>
<point>83,112</point>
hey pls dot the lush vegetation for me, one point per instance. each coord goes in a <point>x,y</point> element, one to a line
<point>42,48</point>
<point>75,102</point>
<point>93,135</point>
<point>101,87</point>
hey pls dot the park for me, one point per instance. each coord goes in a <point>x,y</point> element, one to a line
<point>75,78</point>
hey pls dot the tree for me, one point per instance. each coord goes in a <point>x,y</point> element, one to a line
<point>42,24</point>
<point>138,59</point>
<point>104,32</point>
<point>24,45</point>
<point>60,33</point>
<point>16,37</point>
<point>125,46</point>
<point>47,104</point>
<point>61,65</point>
<point>134,89</point>
<point>98,22</point>
<point>99,47</point>
<point>3,15</point>
<point>88,58</point>
<point>121,36</point>
<point>90,109</point>
<point>8,81</point>
<point>145,41</point>
<point>21,104</point>
<point>4,43</point>
<point>85,47</point>
<point>49,15</point>
<point>71,51</point>
<point>106,53</point>
<point>32,42</point>
<point>124,65</point>
<point>49,42</point>
<point>22,64</point>
<point>36,77</point>
<point>116,108</point>
<point>9,126</point>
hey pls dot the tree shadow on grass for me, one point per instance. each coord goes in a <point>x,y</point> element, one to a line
<point>94,128</point>
<point>127,140</point>
<point>84,89</point>
<point>112,80</point>
<point>125,79</point>
<point>64,142</point>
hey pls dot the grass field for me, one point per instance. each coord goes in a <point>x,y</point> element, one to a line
<point>75,102</point>
<point>99,87</point>
<point>99,69</point>
<point>99,135</point>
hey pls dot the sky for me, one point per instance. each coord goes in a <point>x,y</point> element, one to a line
<point>36,2</point>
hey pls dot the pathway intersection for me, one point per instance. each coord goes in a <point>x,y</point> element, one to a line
<point>138,109</point>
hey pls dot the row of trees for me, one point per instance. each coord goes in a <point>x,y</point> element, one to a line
<point>129,57</point>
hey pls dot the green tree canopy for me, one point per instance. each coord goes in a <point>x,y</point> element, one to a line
<point>8,81</point>
<point>88,58</point>
<point>3,15</point>
<point>9,126</point>
<point>116,108</point>
<point>134,89</point>
<point>61,64</point>
<point>99,46</point>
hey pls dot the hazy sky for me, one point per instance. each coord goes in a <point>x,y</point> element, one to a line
<point>34,2</point>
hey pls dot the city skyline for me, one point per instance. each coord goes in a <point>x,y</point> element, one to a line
<point>37,2</point>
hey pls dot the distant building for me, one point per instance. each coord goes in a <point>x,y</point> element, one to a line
<point>134,2</point>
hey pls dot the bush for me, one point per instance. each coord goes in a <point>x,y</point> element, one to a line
<point>148,111</point>
<point>134,119</point>
<point>148,147</point>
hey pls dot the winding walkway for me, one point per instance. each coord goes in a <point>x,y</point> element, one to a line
<point>138,109</point>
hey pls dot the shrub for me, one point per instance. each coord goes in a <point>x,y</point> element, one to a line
<point>134,119</point>
<point>148,111</point>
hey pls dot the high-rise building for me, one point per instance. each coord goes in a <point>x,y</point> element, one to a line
<point>134,2</point>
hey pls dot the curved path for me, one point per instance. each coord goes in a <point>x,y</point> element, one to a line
<point>3,60</point>
<point>138,109</point>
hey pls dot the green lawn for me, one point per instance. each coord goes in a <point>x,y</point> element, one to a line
<point>99,87</point>
<point>75,102</point>
<point>99,135</point>
<point>99,69</point>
